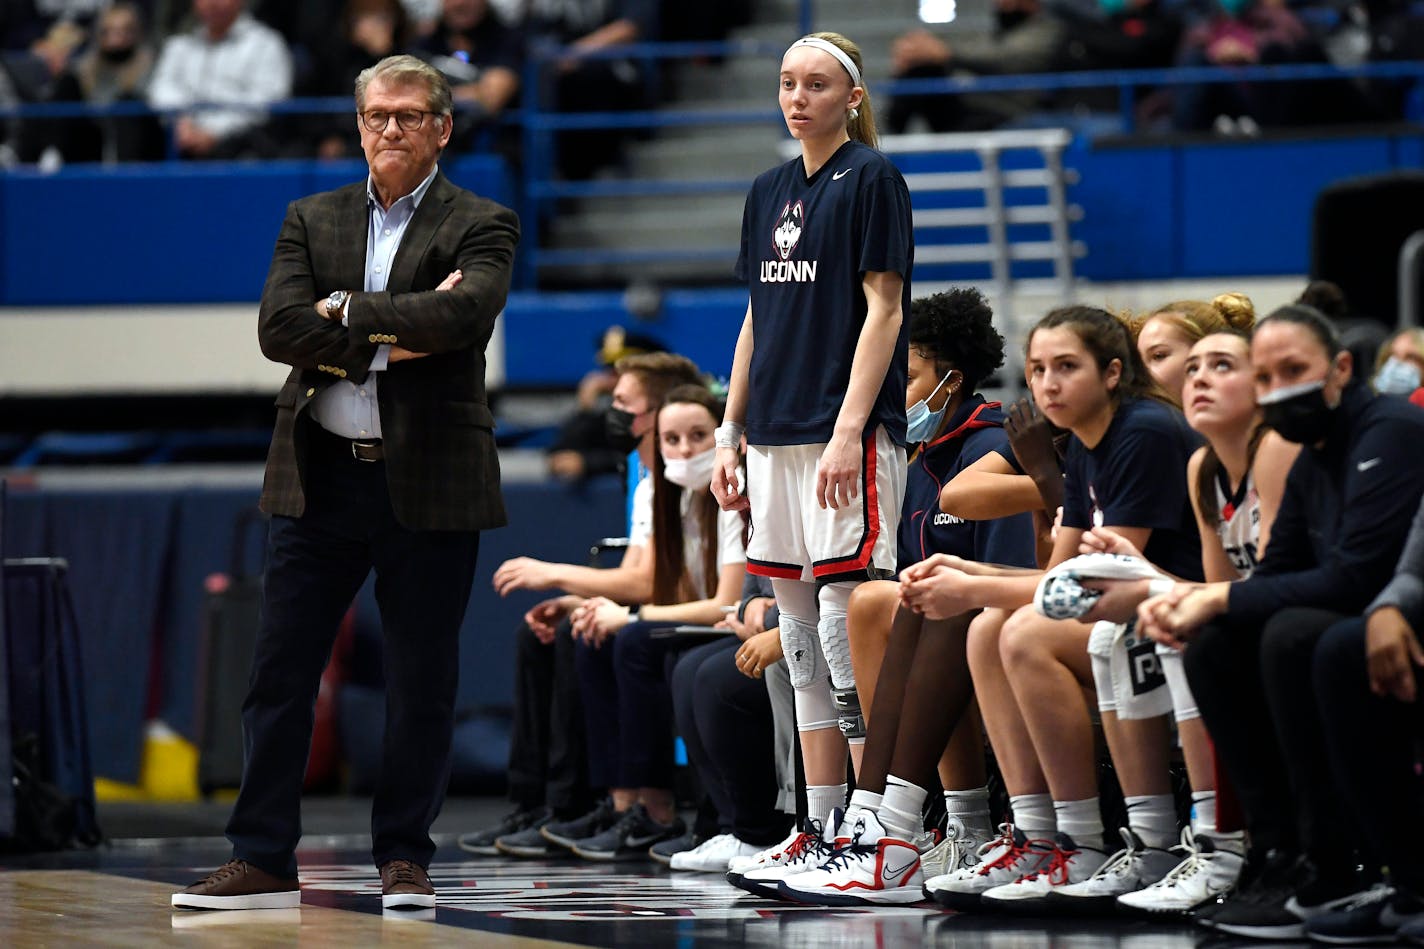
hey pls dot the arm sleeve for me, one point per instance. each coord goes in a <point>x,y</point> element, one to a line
<point>1375,504</point>
<point>1406,590</point>
<point>885,228</point>
<point>437,322</point>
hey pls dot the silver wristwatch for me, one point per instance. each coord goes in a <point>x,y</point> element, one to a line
<point>335,302</point>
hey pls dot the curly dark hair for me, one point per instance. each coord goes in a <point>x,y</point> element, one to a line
<point>956,328</point>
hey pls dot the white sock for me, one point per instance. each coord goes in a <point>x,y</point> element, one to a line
<point>1033,814</point>
<point>1081,820</point>
<point>1153,817</point>
<point>1204,813</point>
<point>902,807</point>
<point>822,798</point>
<point>971,807</point>
<point>865,800</point>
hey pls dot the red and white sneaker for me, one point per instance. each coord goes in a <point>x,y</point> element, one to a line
<point>872,868</point>
<point>771,856</point>
<point>1001,860</point>
<point>1067,863</point>
<point>808,850</point>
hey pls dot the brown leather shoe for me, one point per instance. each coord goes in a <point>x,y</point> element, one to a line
<point>405,884</point>
<point>237,884</point>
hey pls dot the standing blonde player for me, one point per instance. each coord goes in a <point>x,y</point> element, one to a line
<point>818,388</point>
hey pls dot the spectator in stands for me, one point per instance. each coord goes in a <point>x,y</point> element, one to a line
<point>1250,643</point>
<point>1400,363</point>
<point>576,83</point>
<point>547,770</point>
<point>1244,33</point>
<point>370,31</point>
<point>32,72</point>
<point>115,68</point>
<point>231,60</point>
<point>582,448</point>
<point>23,23</point>
<point>1028,38</point>
<point>480,55</point>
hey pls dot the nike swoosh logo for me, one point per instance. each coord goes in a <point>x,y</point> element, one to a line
<point>840,174</point>
<point>647,841</point>
<point>893,872</point>
<point>1367,465</point>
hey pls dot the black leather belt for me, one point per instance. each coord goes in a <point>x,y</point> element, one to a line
<point>367,451</point>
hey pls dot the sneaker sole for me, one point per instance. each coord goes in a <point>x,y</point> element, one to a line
<point>535,851</point>
<point>566,842</point>
<point>956,899</point>
<point>1154,912</point>
<point>1070,905</point>
<point>901,896</point>
<point>766,889</point>
<point>284,900</point>
<point>480,850</point>
<point>408,901</point>
<point>609,856</point>
<point>1028,906</point>
<point>1283,931</point>
<point>1353,940</point>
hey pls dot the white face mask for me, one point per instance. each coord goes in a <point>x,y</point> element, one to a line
<point>694,472</point>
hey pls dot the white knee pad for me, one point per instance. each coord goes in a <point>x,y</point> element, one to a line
<point>835,643</point>
<point>802,649</point>
<point>1103,683</point>
<point>815,709</point>
<point>1184,704</point>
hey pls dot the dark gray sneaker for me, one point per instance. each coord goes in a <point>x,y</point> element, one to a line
<point>630,838</point>
<point>663,852</point>
<point>566,833</point>
<point>528,842</point>
<point>482,842</point>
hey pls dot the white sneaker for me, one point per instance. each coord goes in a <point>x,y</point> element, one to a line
<point>1205,874</point>
<point>765,857</point>
<point>712,855</point>
<point>958,848</point>
<point>1066,863</point>
<point>1002,860</point>
<point>874,868</point>
<point>811,848</point>
<point>1135,867</point>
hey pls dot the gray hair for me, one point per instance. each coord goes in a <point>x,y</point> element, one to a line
<point>406,70</point>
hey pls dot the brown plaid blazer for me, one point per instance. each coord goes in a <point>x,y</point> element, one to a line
<point>438,431</point>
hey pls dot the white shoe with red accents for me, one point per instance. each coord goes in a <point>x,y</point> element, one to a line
<point>1002,860</point>
<point>873,868</point>
<point>812,847</point>
<point>1067,863</point>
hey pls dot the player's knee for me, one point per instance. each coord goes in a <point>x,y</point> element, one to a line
<point>802,649</point>
<point>848,713</point>
<point>815,707</point>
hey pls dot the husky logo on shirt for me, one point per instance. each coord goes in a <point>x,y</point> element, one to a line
<point>784,237</point>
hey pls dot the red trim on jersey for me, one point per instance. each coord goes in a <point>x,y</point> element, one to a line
<point>861,559</point>
<point>761,568</point>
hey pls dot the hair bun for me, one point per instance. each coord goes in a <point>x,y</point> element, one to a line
<point>1237,309</point>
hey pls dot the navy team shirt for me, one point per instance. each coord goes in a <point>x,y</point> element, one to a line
<point>1137,477</point>
<point>975,430</point>
<point>806,244</point>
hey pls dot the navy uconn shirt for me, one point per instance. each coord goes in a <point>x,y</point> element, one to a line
<point>806,244</point>
<point>1137,477</point>
<point>975,430</point>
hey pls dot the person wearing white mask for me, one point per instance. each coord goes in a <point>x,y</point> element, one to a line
<point>699,563</point>
<point>1400,365</point>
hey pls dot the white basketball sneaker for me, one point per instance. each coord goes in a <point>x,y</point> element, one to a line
<point>1205,874</point>
<point>1002,860</point>
<point>874,868</point>
<point>956,849</point>
<point>810,848</point>
<point>1066,863</point>
<point>1132,868</point>
<point>713,855</point>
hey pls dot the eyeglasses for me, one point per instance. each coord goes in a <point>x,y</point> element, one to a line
<point>376,121</point>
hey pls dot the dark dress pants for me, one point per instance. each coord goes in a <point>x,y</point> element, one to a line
<point>1253,684</point>
<point>315,565</point>
<point>547,759</point>
<point>726,722</point>
<point>628,708</point>
<point>1371,743</point>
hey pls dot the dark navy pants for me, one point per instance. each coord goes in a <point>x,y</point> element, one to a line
<point>628,714</point>
<point>315,565</point>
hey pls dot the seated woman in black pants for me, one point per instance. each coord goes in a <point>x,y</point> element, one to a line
<point>699,563</point>
<point>1250,644</point>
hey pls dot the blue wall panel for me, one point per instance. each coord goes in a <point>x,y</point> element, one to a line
<point>1130,212</point>
<point>1247,207</point>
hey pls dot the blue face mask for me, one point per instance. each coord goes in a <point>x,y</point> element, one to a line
<point>1397,377</point>
<point>921,423</point>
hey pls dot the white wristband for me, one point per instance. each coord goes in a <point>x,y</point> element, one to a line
<point>729,435</point>
<point>1159,587</point>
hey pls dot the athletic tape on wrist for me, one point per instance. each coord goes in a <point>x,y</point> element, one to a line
<point>728,435</point>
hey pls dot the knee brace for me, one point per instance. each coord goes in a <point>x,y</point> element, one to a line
<point>815,708</point>
<point>851,719</point>
<point>802,651</point>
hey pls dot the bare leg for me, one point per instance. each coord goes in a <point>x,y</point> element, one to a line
<point>1139,753</point>
<point>659,802</point>
<point>961,767</point>
<point>1008,733</point>
<point>1047,663</point>
<point>1196,750</point>
<point>872,608</point>
<point>823,753</point>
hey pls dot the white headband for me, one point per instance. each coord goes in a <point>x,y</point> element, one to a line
<point>834,50</point>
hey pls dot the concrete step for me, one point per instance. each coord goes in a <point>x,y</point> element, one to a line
<point>714,153</point>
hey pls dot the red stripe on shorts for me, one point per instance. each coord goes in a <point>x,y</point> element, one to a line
<point>776,571</point>
<point>861,560</point>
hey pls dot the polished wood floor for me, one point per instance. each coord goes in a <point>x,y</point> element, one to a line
<point>118,896</point>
